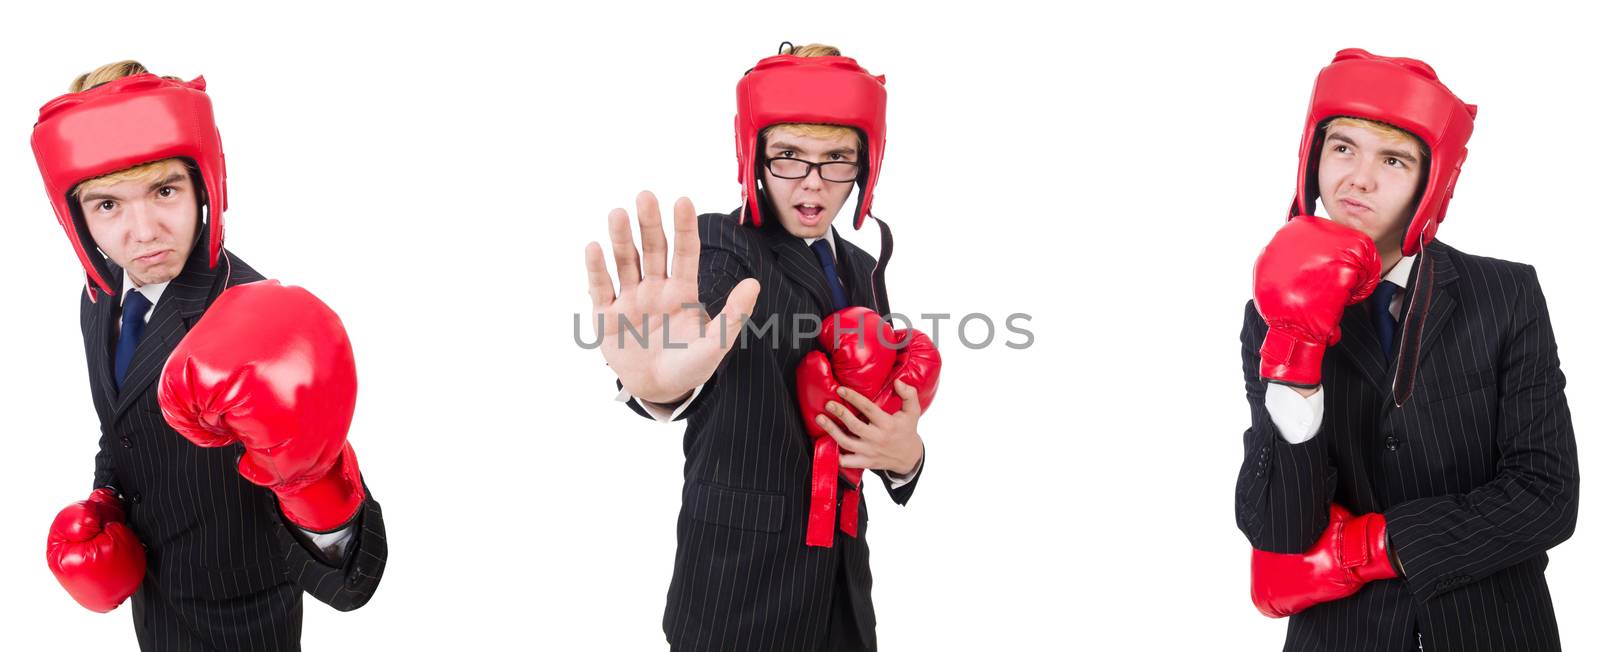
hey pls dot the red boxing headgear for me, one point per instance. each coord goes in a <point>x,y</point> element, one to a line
<point>1399,92</point>
<point>819,90</point>
<point>120,124</point>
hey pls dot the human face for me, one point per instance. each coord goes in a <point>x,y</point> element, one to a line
<point>806,207</point>
<point>146,226</point>
<point>1368,181</point>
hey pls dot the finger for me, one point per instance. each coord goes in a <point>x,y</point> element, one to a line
<point>910,403</point>
<point>651,236</point>
<point>723,332</point>
<point>601,291</point>
<point>846,440</point>
<point>685,242</point>
<point>828,425</point>
<point>849,419</point>
<point>862,404</point>
<point>855,461</point>
<point>622,250</point>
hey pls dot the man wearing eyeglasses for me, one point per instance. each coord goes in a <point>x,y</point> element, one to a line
<point>746,574</point>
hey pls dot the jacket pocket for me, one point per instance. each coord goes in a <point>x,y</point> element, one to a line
<point>1443,387</point>
<point>759,511</point>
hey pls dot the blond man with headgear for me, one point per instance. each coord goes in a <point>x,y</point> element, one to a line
<point>213,560</point>
<point>772,551</point>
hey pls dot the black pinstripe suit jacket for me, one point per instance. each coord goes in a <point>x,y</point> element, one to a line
<point>225,572</point>
<point>1477,473</point>
<point>743,578</point>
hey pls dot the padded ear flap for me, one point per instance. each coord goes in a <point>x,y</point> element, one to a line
<point>863,180</point>
<point>1313,188</point>
<point>91,254</point>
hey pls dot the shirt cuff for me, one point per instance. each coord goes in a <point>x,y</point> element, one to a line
<point>334,544</point>
<point>1297,417</point>
<point>663,412</point>
<point>897,481</point>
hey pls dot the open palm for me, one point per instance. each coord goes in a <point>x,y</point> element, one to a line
<point>653,331</point>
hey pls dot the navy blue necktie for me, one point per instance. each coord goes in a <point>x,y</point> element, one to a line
<point>830,272</point>
<point>1384,320</point>
<point>133,308</point>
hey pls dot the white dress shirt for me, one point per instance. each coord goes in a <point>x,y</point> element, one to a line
<point>1297,417</point>
<point>151,291</point>
<point>665,413</point>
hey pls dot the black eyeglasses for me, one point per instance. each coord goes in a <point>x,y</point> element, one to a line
<point>793,168</point>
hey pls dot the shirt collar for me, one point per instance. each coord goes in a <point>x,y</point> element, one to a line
<point>827,235</point>
<point>1401,272</point>
<point>151,291</point>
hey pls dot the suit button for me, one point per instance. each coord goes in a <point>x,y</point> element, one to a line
<point>126,443</point>
<point>136,497</point>
<point>1391,443</point>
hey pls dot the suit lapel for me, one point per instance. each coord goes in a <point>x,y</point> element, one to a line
<point>1430,302</point>
<point>1444,297</point>
<point>184,301</point>
<point>1358,341</point>
<point>1430,296</point>
<point>796,261</point>
<point>855,268</point>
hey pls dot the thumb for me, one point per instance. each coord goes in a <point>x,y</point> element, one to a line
<point>910,403</point>
<point>736,311</point>
<point>255,469</point>
<point>77,522</point>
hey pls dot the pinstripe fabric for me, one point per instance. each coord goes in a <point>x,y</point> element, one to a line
<point>743,578</point>
<point>1477,474</point>
<point>224,571</point>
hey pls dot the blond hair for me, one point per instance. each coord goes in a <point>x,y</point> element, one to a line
<point>1385,131</point>
<point>809,50</point>
<point>108,73</point>
<point>813,130</point>
<point>146,172</point>
<point>143,172</point>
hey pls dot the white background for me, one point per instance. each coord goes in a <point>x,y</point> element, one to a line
<point>434,174</point>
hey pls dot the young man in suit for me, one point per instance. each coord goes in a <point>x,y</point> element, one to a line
<point>1410,457</point>
<point>214,542</point>
<point>750,571</point>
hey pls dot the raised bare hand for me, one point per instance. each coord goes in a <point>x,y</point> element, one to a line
<point>654,333</point>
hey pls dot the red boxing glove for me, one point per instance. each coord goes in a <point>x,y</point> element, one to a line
<point>93,553</point>
<point>1353,550</point>
<point>269,366</point>
<point>917,364</point>
<point>1304,278</point>
<point>859,351</point>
